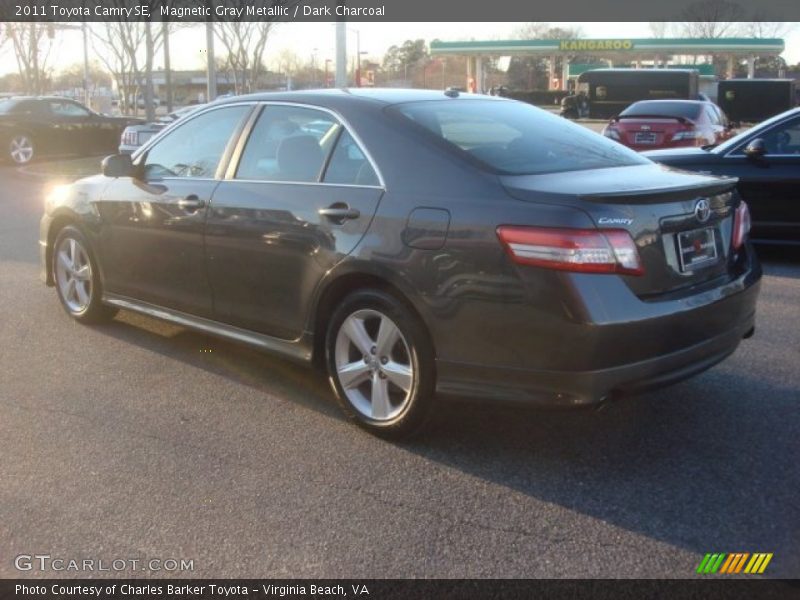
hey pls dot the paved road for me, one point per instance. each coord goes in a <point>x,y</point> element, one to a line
<point>128,441</point>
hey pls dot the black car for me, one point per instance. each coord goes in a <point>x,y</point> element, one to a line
<point>46,126</point>
<point>766,159</point>
<point>414,243</point>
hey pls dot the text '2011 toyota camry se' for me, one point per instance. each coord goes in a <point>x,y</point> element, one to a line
<point>417,244</point>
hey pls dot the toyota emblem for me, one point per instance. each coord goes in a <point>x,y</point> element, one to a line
<point>702,210</point>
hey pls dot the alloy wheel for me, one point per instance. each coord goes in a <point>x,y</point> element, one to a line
<point>73,275</point>
<point>373,365</point>
<point>21,149</point>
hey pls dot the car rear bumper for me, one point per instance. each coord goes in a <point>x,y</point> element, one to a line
<point>638,348</point>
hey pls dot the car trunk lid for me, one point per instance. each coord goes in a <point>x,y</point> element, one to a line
<point>681,222</point>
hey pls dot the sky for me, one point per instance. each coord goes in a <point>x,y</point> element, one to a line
<point>307,39</point>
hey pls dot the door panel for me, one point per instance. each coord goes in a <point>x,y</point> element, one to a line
<point>152,228</point>
<point>268,247</point>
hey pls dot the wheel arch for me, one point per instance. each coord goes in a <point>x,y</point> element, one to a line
<point>60,220</point>
<point>338,286</point>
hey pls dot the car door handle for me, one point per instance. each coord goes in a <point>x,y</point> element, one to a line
<point>339,212</point>
<point>191,203</point>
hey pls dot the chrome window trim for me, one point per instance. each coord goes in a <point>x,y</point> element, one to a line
<point>347,127</point>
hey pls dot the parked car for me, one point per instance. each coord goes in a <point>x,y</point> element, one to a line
<point>134,136</point>
<point>654,124</point>
<point>32,127</point>
<point>766,160</point>
<point>426,244</point>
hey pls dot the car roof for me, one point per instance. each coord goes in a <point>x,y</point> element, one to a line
<point>336,95</point>
<point>676,101</point>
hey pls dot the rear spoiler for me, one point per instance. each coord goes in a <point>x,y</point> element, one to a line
<point>682,120</point>
<point>716,185</point>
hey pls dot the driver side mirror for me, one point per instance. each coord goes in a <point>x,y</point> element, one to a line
<point>756,149</point>
<point>118,165</point>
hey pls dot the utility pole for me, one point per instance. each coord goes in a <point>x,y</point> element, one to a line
<point>167,67</point>
<point>211,67</point>
<point>341,51</point>
<point>85,64</point>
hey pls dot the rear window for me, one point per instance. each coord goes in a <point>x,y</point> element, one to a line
<point>683,110</point>
<point>513,138</point>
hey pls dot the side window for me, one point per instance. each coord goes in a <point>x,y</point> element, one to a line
<point>349,165</point>
<point>784,139</point>
<point>713,117</point>
<point>67,109</point>
<point>195,148</point>
<point>31,108</point>
<point>288,144</point>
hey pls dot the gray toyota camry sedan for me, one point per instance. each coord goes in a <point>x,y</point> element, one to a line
<point>416,245</point>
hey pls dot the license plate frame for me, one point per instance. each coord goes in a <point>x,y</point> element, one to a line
<point>692,256</point>
<point>645,137</point>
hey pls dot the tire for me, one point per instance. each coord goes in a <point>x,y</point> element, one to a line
<point>77,278</point>
<point>386,387</point>
<point>20,149</point>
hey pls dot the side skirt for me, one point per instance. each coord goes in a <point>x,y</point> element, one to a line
<point>299,349</point>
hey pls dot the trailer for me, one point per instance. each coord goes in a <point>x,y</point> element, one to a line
<point>610,91</point>
<point>753,100</point>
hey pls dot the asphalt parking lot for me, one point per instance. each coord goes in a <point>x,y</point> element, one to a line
<point>141,439</point>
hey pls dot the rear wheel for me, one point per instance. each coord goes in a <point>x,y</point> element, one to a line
<point>21,148</point>
<point>380,364</point>
<point>77,278</point>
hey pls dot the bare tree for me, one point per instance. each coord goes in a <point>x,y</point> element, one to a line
<point>659,29</point>
<point>33,45</point>
<point>759,27</point>
<point>117,46</point>
<point>712,19</point>
<point>245,44</point>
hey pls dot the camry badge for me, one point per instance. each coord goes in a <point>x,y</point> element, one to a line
<point>702,210</point>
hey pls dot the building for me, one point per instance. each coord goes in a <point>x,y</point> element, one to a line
<point>685,52</point>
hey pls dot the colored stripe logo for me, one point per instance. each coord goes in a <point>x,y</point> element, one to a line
<point>735,563</point>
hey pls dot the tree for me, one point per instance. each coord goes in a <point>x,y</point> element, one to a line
<point>659,29</point>
<point>117,45</point>
<point>245,43</point>
<point>761,28</point>
<point>33,44</point>
<point>409,54</point>
<point>532,72</point>
<point>712,19</point>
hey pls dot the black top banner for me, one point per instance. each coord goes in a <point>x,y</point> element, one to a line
<point>397,10</point>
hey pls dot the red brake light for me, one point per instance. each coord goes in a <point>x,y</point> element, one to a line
<point>581,250</point>
<point>741,225</point>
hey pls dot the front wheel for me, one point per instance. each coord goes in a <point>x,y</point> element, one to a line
<point>77,278</point>
<point>380,364</point>
<point>21,149</point>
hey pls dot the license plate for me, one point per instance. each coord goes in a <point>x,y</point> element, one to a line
<point>697,248</point>
<point>646,137</point>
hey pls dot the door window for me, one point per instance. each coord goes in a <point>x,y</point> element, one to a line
<point>288,143</point>
<point>195,147</point>
<point>349,165</point>
<point>65,108</point>
<point>784,139</point>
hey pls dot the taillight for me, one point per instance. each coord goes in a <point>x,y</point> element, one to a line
<point>741,225</point>
<point>582,250</point>
<point>687,134</point>
<point>611,132</point>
